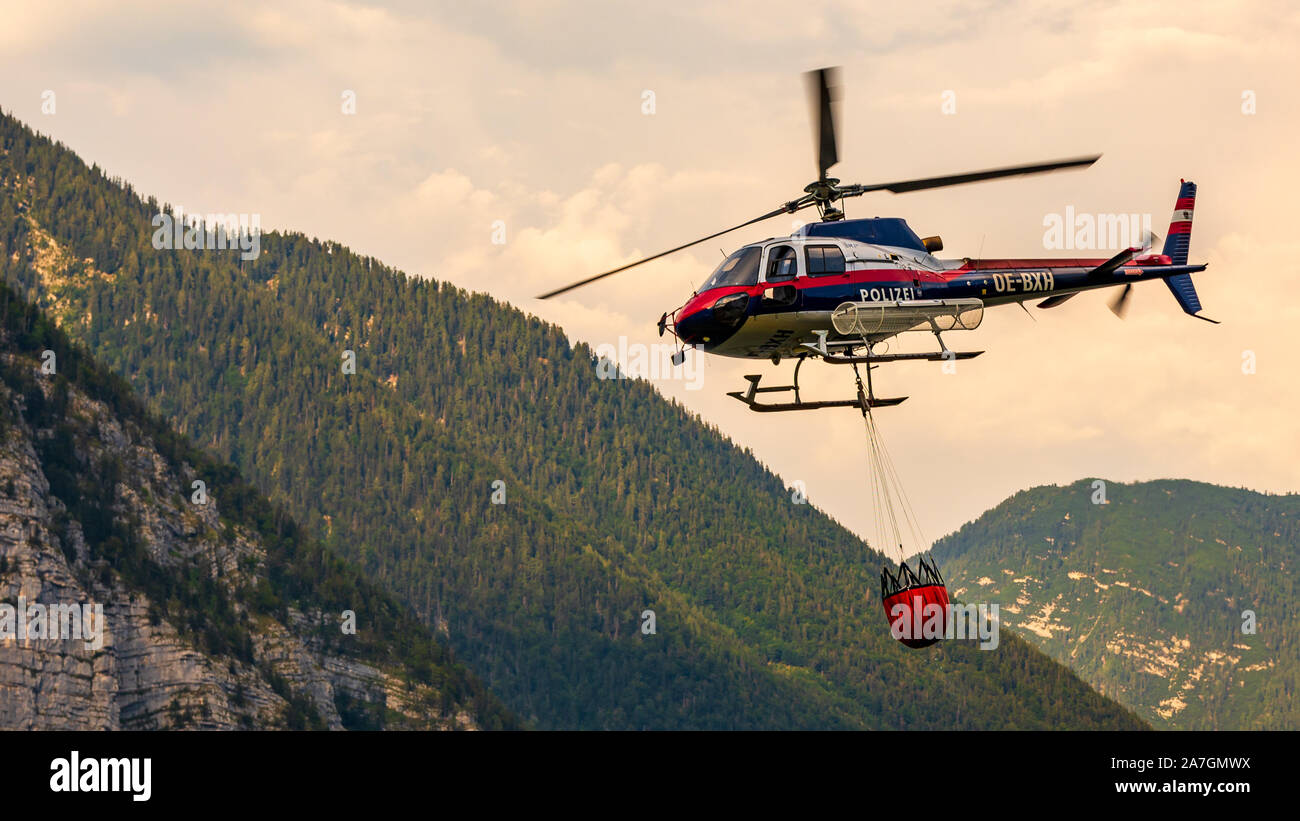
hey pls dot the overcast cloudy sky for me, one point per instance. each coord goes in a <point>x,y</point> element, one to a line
<point>532,113</point>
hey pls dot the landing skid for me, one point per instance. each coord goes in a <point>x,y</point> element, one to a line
<point>747,396</point>
<point>842,353</point>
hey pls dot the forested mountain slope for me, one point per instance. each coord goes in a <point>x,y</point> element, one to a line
<point>132,603</point>
<point>1176,598</point>
<point>617,501</point>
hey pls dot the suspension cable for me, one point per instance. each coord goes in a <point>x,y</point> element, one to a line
<point>888,498</point>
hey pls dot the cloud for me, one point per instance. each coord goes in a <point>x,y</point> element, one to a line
<point>530,115</point>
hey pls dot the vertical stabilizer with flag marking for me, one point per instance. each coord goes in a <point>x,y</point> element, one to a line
<point>1177,243</point>
<point>1179,238</point>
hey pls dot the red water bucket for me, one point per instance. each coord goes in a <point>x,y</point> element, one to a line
<point>916,604</point>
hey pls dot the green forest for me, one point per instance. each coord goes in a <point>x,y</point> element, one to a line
<point>1147,594</point>
<point>618,501</point>
<point>298,571</point>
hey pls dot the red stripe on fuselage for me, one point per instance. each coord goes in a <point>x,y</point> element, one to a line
<point>902,276</point>
<point>863,275</point>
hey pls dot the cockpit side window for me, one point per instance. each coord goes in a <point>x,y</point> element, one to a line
<point>782,263</point>
<point>824,260</point>
<point>741,268</point>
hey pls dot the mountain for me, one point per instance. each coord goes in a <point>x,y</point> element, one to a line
<point>616,502</point>
<point>1146,596</point>
<point>129,602</point>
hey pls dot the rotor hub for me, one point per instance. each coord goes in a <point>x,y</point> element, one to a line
<point>823,193</point>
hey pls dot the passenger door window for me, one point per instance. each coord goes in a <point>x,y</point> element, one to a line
<point>824,260</point>
<point>782,264</point>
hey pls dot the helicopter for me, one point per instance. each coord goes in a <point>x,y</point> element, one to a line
<point>838,289</point>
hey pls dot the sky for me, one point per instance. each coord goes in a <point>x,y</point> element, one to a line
<point>512,147</point>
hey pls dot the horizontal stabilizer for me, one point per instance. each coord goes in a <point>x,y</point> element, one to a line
<point>1053,301</point>
<point>1111,265</point>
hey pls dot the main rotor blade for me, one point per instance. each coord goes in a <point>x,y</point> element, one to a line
<point>975,176</point>
<point>823,93</point>
<point>788,208</point>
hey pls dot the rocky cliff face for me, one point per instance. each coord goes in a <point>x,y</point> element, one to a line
<point>191,632</point>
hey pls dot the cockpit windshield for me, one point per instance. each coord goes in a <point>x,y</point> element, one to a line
<point>741,268</point>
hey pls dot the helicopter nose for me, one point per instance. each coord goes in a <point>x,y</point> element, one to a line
<point>695,328</point>
<point>713,324</point>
